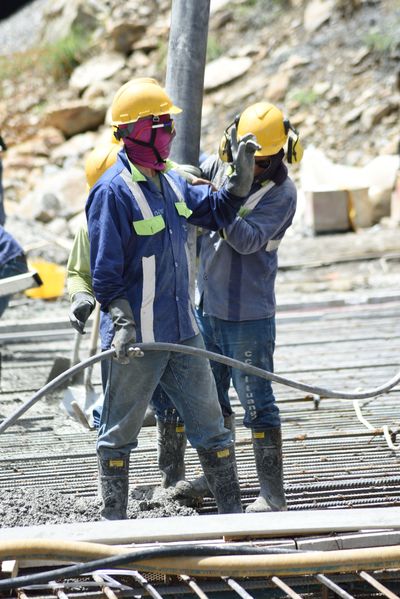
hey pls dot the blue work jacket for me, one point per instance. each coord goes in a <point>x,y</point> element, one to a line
<point>9,247</point>
<point>238,266</point>
<point>138,246</point>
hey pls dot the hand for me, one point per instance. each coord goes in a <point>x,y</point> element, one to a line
<point>241,180</point>
<point>200,181</point>
<point>125,330</point>
<point>124,338</point>
<point>81,308</point>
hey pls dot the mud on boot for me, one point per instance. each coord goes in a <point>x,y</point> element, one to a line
<point>219,466</point>
<point>198,488</point>
<point>267,446</point>
<point>114,486</point>
<point>171,446</point>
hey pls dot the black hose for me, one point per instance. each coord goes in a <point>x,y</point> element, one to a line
<point>114,561</point>
<point>195,351</point>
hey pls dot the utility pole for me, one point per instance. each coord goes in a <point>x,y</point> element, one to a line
<point>186,62</point>
<point>185,74</point>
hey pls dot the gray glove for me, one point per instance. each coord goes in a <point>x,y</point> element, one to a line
<point>125,330</point>
<point>81,308</point>
<point>240,182</point>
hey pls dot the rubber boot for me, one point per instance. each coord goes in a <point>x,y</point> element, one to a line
<point>267,445</point>
<point>198,488</point>
<point>219,466</point>
<point>171,445</point>
<point>114,486</point>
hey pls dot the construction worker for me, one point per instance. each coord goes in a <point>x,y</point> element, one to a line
<point>171,437</point>
<point>236,281</point>
<point>137,214</point>
<point>12,257</point>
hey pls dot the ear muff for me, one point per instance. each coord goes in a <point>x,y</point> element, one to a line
<point>294,151</point>
<point>225,149</point>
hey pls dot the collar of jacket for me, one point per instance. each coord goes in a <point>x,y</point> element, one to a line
<point>139,176</point>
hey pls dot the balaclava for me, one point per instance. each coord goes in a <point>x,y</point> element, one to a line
<point>276,171</point>
<point>149,141</point>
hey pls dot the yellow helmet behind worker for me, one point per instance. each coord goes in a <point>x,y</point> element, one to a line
<point>99,160</point>
<point>139,98</point>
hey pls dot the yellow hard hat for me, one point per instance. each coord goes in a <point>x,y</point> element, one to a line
<point>139,98</point>
<point>266,122</point>
<point>271,129</point>
<point>99,160</point>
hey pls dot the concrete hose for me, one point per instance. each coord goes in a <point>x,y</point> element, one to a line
<point>138,350</point>
<point>175,560</point>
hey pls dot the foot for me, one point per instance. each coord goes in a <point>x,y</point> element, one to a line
<point>196,489</point>
<point>262,505</point>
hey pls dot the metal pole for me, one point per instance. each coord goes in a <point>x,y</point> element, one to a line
<point>185,74</point>
<point>184,83</point>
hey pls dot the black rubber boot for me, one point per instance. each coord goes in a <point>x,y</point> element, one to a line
<point>171,445</point>
<point>198,488</point>
<point>267,445</point>
<point>219,467</point>
<point>114,486</point>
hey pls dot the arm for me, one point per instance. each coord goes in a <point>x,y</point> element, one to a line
<point>268,221</point>
<point>109,233</point>
<point>215,207</point>
<point>79,282</point>
<point>78,266</point>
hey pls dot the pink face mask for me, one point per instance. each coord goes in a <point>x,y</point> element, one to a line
<point>148,141</point>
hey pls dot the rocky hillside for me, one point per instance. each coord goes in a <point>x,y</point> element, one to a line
<point>332,65</point>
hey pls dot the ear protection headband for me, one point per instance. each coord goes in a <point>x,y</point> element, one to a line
<point>225,148</point>
<point>294,151</point>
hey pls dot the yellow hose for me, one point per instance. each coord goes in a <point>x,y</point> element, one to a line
<point>348,560</point>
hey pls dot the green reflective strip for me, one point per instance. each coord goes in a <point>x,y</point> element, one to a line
<point>149,226</point>
<point>182,209</point>
<point>243,211</point>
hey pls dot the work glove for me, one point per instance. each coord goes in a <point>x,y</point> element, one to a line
<point>125,330</point>
<point>240,182</point>
<point>81,308</point>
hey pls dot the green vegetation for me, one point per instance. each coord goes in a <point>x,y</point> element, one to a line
<point>56,60</point>
<point>380,42</point>
<point>62,57</point>
<point>214,48</point>
<point>305,97</point>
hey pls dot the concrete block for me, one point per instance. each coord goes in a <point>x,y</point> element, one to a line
<point>331,211</point>
<point>327,211</point>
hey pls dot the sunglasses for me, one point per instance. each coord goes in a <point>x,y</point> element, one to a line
<point>169,126</point>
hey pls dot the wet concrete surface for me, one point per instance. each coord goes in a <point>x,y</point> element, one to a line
<point>48,471</point>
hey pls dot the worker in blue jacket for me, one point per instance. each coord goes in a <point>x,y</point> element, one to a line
<point>236,285</point>
<point>137,217</point>
<point>12,262</point>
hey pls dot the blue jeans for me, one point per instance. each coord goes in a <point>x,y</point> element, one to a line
<point>164,408</point>
<point>251,342</point>
<point>188,379</point>
<point>15,266</point>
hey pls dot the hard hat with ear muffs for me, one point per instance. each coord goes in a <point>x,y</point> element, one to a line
<point>271,129</point>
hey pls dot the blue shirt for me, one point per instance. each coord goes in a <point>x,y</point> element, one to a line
<point>238,266</point>
<point>9,247</point>
<point>138,246</point>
